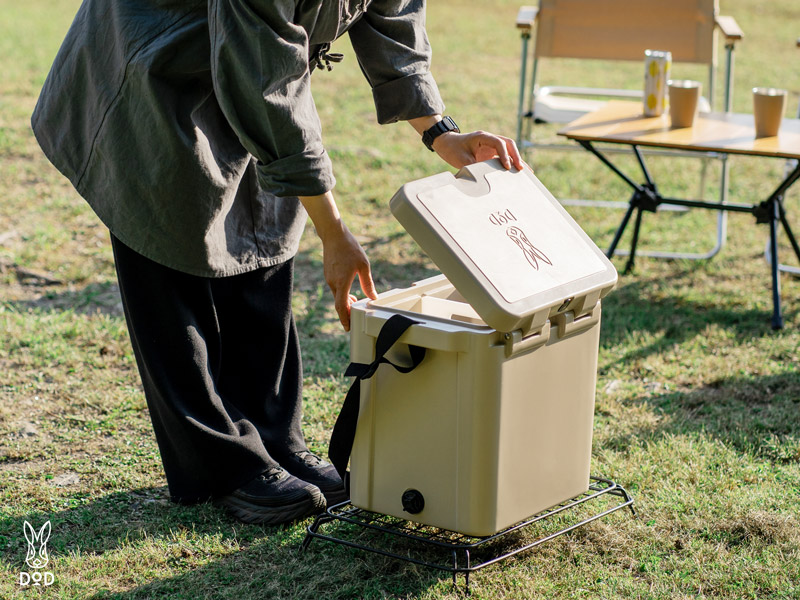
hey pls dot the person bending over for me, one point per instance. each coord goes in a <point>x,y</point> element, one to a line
<point>190,128</point>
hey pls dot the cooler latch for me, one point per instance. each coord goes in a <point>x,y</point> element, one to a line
<point>566,323</point>
<point>515,342</point>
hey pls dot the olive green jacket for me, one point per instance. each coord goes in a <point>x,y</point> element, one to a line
<point>189,125</point>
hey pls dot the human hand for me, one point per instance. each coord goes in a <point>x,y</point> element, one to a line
<point>342,256</point>
<point>343,259</point>
<point>462,149</point>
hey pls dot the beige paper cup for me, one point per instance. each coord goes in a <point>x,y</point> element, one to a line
<point>769,104</point>
<point>684,95</point>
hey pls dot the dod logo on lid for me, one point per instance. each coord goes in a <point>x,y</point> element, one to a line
<point>532,254</point>
<point>502,217</point>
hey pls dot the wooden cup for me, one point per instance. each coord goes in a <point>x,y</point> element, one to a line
<point>684,95</point>
<point>769,105</point>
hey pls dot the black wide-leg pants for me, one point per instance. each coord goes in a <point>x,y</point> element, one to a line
<point>220,365</point>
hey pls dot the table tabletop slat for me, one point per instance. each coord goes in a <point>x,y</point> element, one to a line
<point>733,133</point>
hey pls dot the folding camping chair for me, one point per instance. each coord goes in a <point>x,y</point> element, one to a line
<point>619,30</point>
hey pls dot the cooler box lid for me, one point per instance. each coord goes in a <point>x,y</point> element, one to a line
<point>505,243</point>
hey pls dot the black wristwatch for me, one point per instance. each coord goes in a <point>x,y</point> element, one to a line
<point>443,126</point>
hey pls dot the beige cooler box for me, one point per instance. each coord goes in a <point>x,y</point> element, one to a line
<point>495,424</point>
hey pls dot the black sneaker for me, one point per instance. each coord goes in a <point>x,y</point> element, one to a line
<point>311,468</point>
<point>272,498</point>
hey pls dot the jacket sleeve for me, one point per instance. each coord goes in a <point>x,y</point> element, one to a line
<point>259,67</point>
<point>393,50</point>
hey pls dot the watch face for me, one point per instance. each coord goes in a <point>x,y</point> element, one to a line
<point>449,124</point>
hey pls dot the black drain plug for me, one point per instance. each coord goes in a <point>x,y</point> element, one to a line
<point>413,501</point>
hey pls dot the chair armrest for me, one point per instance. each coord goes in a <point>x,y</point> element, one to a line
<point>526,17</point>
<point>729,28</point>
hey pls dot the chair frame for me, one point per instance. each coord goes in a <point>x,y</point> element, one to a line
<point>527,18</point>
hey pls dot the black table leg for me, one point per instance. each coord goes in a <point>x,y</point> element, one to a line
<point>788,230</point>
<point>777,318</point>
<point>620,230</point>
<point>646,197</point>
<point>634,242</point>
<point>772,212</point>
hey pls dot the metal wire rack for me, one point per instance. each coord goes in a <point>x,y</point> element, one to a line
<point>457,553</point>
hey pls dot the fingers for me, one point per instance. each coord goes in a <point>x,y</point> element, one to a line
<point>505,149</point>
<point>342,299</point>
<point>462,149</point>
<point>344,259</point>
<point>365,280</point>
<point>499,144</point>
<point>516,157</point>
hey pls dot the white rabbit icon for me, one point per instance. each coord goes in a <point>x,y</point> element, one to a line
<point>37,558</point>
<point>532,254</point>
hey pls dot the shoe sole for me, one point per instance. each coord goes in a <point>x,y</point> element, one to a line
<point>248,512</point>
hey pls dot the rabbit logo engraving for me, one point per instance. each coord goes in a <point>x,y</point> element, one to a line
<point>532,254</point>
<point>37,556</point>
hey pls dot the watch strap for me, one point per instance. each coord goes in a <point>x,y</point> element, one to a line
<point>443,126</point>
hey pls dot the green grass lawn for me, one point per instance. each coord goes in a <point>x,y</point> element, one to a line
<point>698,400</point>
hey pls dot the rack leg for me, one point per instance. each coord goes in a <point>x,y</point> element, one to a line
<point>629,499</point>
<point>466,574</point>
<point>313,528</point>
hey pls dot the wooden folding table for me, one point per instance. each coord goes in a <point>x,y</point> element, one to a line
<point>621,122</point>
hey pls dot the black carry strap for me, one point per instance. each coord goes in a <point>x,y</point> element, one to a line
<point>345,429</point>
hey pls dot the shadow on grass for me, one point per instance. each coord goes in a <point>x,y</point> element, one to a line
<point>94,298</point>
<point>754,415</point>
<point>642,305</point>
<point>107,523</point>
<point>208,554</point>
